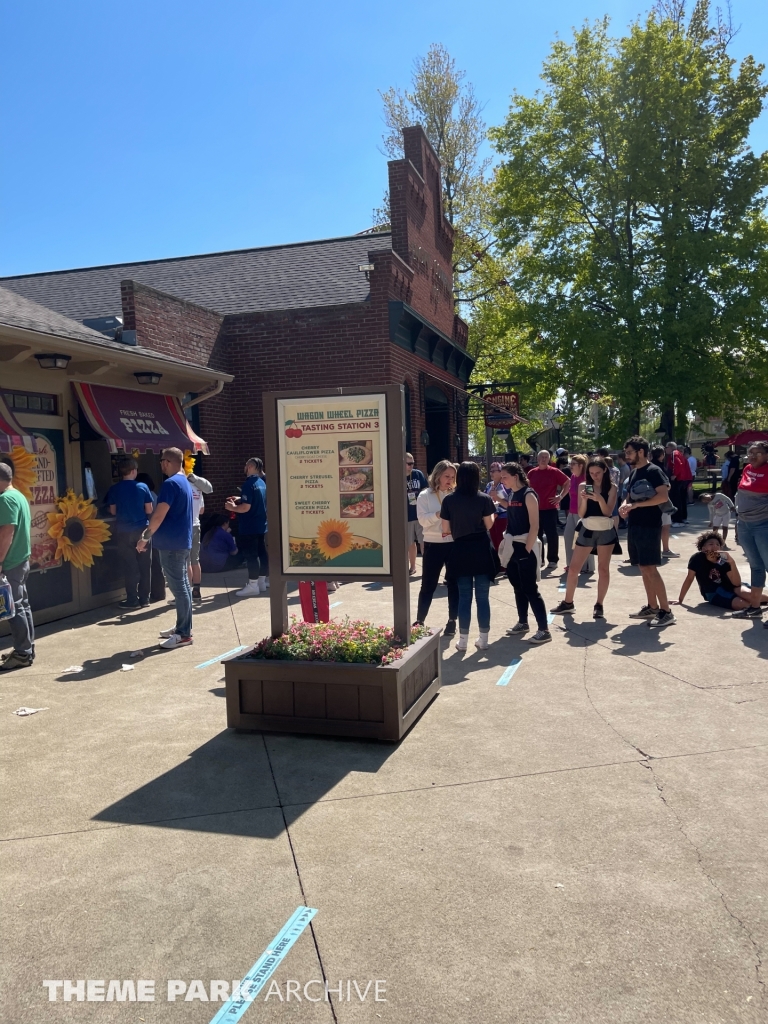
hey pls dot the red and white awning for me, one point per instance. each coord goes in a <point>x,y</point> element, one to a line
<point>137,420</point>
<point>12,434</point>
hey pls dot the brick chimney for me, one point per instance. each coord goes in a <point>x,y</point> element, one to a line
<point>421,234</point>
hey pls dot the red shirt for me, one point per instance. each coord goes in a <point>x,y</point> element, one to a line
<point>753,478</point>
<point>546,482</point>
<point>682,467</point>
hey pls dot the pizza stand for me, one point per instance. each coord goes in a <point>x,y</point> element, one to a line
<point>336,483</point>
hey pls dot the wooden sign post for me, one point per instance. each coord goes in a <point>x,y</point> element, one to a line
<point>335,464</point>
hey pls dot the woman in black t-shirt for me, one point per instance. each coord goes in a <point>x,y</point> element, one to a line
<point>467,516</point>
<point>716,574</point>
<point>523,566</point>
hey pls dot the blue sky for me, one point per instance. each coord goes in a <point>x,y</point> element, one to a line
<point>162,128</point>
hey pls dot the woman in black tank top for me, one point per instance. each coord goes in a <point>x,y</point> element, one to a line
<point>522,568</point>
<point>595,531</point>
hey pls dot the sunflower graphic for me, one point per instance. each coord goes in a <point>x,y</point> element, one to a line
<point>24,471</point>
<point>189,462</point>
<point>334,538</point>
<point>79,535</point>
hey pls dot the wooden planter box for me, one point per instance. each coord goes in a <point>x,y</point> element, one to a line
<point>333,698</point>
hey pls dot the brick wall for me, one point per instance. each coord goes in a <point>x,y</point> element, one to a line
<point>172,326</point>
<point>421,235</point>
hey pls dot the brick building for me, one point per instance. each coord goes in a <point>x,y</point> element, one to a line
<point>362,310</point>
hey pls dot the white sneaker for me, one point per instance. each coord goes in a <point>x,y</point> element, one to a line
<point>167,632</point>
<point>262,581</point>
<point>176,641</point>
<point>251,589</point>
<point>482,642</point>
<point>461,643</point>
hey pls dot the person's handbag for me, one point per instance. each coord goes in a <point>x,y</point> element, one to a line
<point>7,607</point>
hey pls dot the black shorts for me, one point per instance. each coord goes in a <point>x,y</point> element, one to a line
<point>644,543</point>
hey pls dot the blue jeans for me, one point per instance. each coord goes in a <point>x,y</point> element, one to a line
<point>482,585</point>
<point>753,538</point>
<point>22,626</point>
<point>174,565</point>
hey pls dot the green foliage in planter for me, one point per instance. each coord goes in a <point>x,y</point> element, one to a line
<point>350,641</point>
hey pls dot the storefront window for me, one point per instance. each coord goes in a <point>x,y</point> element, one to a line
<point>32,401</point>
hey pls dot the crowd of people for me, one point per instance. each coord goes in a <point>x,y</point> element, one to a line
<point>158,542</point>
<point>511,527</point>
<point>472,535</point>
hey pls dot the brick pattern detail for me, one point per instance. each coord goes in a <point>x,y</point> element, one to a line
<point>421,235</point>
<point>172,326</point>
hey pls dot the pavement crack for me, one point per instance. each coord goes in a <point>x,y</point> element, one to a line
<point>232,613</point>
<point>599,713</point>
<point>298,877</point>
<point>702,867</point>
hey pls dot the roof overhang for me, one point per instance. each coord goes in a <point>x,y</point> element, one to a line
<point>410,331</point>
<point>109,364</point>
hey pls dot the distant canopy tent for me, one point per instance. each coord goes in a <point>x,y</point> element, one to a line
<point>12,435</point>
<point>137,421</point>
<point>744,438</point>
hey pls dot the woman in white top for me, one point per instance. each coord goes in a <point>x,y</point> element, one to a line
<point>442,480</point>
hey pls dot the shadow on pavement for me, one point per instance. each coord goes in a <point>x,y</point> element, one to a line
<point>95,667</point>
<point>234,773</point>
<point>756,638</point>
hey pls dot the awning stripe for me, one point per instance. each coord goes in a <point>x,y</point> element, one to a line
<point>136,420</point>
<point>12,434</point>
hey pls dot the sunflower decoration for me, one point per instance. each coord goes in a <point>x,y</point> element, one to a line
<point>79,535</point>
<point>189,462</point>
<point>334,538</point>
<point>24,470</point>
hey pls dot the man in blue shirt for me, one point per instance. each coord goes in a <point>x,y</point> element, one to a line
<point>131,503</point>
<point>170,530</point>
<point>415,483</point>
<point>251,510</point>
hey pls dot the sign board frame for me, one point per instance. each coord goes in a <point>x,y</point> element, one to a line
<point>392,464</point>
<point>506,400</point>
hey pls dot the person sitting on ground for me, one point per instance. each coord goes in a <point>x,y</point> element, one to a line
<point>218,547</point>
<point>720,507</point>
<point>716,573</point>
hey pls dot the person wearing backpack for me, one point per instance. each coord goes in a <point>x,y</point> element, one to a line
<point>647,491</point>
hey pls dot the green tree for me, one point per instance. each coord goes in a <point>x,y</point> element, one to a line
<point>445,105</point>
<point>633,214</point>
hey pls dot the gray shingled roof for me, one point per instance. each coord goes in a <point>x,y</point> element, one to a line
<point>16,311</point>
<point>297,276</point>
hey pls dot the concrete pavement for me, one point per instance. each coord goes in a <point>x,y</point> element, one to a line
<point>585,844</point>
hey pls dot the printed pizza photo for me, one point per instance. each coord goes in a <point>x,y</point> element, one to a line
<point>357,506</point>
<point>355,479</point>
<point>355,453</point>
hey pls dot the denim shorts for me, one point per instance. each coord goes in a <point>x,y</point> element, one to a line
<point>721,597</point>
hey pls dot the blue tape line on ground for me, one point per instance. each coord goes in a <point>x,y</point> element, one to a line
<point>265,966</point>
<point>212,661</point>
<point>336,604</point>
<point>550,619</point>
<point>510,671</point>
<point>563,586</point>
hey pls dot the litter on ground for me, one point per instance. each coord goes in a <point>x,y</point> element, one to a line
<point>72,669</point>
<point>23,712</point>
<point>126,668</point>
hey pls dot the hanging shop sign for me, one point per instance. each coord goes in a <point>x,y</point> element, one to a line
<point>334,484</point>
<point>502,410</point>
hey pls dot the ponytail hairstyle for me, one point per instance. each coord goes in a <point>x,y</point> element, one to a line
<point>515,469</point>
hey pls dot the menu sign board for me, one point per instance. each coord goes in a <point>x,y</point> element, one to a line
<point>42,501</point>
<point>333,485</point>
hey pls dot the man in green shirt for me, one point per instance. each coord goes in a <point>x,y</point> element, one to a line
<point>15,549</point>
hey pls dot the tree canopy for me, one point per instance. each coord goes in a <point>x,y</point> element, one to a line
<point>632,211</point>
